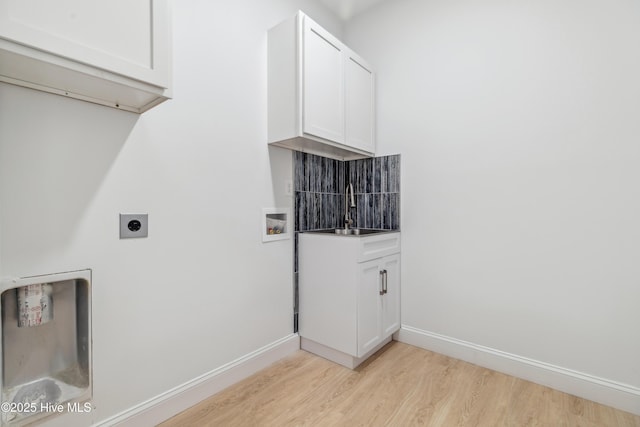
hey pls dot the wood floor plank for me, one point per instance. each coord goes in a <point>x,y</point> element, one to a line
<point>400,385</point>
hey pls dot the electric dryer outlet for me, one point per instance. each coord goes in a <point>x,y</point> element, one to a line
<point>134,225</point>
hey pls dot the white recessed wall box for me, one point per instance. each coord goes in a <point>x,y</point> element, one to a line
<point>276,224</point>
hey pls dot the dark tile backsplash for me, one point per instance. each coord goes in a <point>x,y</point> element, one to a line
<point>320,184</point>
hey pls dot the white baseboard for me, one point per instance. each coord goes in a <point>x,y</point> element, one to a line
<point>176,400</point>
<point>607,392</point>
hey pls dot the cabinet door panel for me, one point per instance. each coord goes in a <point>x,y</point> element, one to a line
<point>359,110</point>
<point>323,83</point>
<point>369,320</point>
<point>391,300</point>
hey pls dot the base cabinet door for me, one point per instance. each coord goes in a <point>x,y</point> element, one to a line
<point>369,306</point>
<point>378,301</point>
<point>390,304</point>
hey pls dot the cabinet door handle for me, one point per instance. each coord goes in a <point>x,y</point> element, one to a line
<point>382,285</point>
<point>386,279</point>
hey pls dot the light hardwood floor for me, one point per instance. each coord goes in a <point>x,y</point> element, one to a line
<point>401,385</point>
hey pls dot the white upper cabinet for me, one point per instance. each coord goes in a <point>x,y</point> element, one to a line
<point>320,92</point>
<point>115,53</point>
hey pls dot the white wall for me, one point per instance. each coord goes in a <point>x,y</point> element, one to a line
<point>518,125</point>
<point>202,290</point>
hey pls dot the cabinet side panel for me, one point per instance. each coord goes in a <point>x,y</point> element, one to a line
<point>282,83</point>
<point>327,287</point>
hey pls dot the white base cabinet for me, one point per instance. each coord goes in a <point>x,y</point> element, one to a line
<point>349,292</point>
<point>321,93</point>
<point>115,53</point>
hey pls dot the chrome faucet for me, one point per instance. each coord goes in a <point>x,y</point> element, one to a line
<point>347,216</point>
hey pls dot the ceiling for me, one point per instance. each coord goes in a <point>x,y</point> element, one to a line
<point>347,9</point>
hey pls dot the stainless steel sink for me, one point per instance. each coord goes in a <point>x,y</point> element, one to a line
<point>350,231</point>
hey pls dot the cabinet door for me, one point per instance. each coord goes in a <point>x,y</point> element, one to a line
<point>391,299</point>
<point>130,38</point>
<point>359,100</point>
<point>323,84</point>
<point>369,301</point>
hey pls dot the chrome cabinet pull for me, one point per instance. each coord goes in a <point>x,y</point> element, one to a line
<point>386,279</point>
<point>383,281</point>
